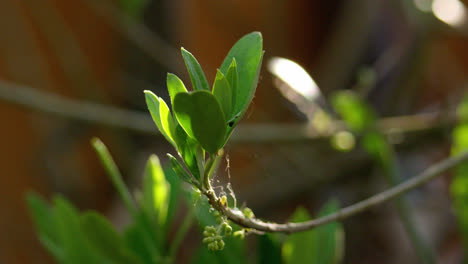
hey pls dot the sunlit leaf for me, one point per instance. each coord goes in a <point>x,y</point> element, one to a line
<point>161,116</point>
<point>174,86</point>
<point>197,76</point>
<point>248,53</point>
<point>200,115</point>
<point>156,190</point>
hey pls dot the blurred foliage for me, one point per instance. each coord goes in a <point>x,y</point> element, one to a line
<point>134,8</point>
<point>323,244</point>
<point>459,185</point>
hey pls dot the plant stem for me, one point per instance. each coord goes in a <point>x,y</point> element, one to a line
<point>237,217</point>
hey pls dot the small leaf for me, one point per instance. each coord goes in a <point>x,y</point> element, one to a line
<point>233,79</point>
<point>174,86</point>
<point>187,148</point>
<point>200,115</point>
<point>161,116</point>
<point>222,92</point>
<point>248,54</point>
<point>102,236</point>
<point>155,190</point>
<point>179,169</point>
<point>197,76</point>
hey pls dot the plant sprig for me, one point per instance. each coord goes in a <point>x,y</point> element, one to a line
<point>202,121</point>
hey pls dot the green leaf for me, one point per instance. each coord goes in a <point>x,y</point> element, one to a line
<point>200,115</point>
<point>187,148</point>
<point>161,116</point>
<point>355,112</point>
<point>156,191</point>
<point>103,237</point>
<point>323,244</point>
<point>248,53</point>
<point>197,76</point>
<point>45,224</point>
<point>178,169</point>
<point>233,79</point>
<point>222,92</point>
<point>174,86</point>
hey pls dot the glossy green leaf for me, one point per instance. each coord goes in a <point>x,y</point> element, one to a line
<point>102,236</point>
<point>45,224</point>
<point>248,52</point>
<point>200,115</point>
<point>222,92</point>
<point>187,148</point>
<point>156,190</point>
<point>323,244</point>
<point>195,71</point>
<point>174,86</point>
<point>355,112</point>
<point>233,79</point>
<point>161,116</point>
<point>178,169</point>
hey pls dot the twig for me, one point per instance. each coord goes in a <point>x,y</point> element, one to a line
<point>237,217</point>
<point>37,100</point>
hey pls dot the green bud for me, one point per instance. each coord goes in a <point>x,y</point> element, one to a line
<point>248,212</point>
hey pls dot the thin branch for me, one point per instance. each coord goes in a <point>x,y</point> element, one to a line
<point>140,122</point>
<point>237,217</point>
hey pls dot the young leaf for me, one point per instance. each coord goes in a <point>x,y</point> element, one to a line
<point>174,86</point>
<point>187,148</point>
<point>233,79</point>
<point>321,245</point>
<point>155,190</point>
<point>200,115</point>
<point>197,76</point>
<point>103,237</point>
<point>161,116</point>
<point>248,54</point>
<point>179,169</point>
<point>222,92</point>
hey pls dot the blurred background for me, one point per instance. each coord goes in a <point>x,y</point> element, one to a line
<point>71,70</point>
